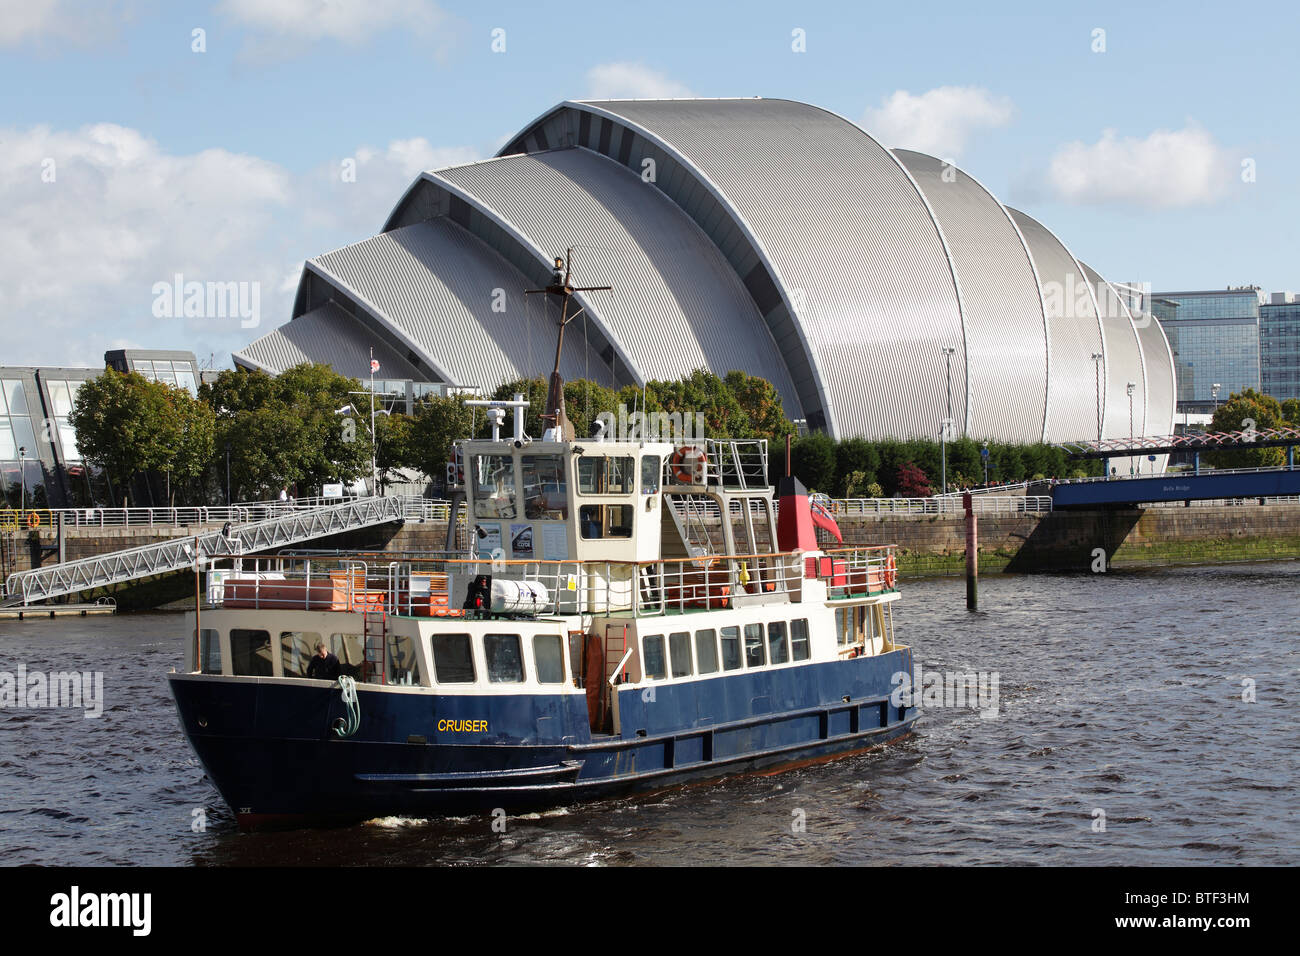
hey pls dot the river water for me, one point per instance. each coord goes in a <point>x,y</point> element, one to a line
<point>1121,737</point>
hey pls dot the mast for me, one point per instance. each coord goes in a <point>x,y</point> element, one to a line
<point>560,287</point>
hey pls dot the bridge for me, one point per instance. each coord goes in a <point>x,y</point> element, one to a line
<point>1197,485</point>
<point>276,527</point>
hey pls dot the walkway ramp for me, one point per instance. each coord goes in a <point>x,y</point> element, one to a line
<point>296,525</point>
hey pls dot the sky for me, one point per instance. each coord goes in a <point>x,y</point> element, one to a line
<point>228,141</point>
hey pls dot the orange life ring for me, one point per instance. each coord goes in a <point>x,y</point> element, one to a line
<point>683,472</point>
<point>891,572</point>
<point>33,520</point>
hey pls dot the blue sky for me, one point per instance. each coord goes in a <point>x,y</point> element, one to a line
<point>223,164</point>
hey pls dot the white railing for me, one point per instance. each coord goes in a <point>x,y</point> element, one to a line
<point>938,505</point>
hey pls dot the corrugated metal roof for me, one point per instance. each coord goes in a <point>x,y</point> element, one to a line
<point>329,335</point>
<point>848,239</point>
<point>1006,332</point>
<point>676,305</point>
<point>440,289</point>
<point>1074,334</point>
<point>1124,362</point>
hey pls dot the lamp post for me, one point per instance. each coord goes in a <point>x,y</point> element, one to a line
<point>1096,361</point>
<point>1214,394</point>
<point>227,474</point>
<point>22,477</point>
<point>947,422</point>
<point>1132,387</point>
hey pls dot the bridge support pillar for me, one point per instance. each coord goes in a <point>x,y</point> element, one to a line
<point>1196,463</point>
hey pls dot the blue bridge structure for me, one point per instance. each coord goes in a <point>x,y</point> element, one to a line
<point>1129,491</point>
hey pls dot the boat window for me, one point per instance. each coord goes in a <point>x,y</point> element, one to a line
<point>843,625</point>
<point>755,651</point>
<point>598,475</point>
<point>349,649</point>
<point>606,521</point>
<point>403,666</point>
<point>296,650</point>
<point>730,648</point>
<point>452,660</point>
<point>679,647</point>
<point>777,643</point>
<point>546,493</point>
<point>652,655</point>
<point>799,649</point>
<point>548,658</point>
<point>505,659</point>
<point>706,650</point>
<point>209,651</point>
<point>651,469</point>
<point>250,652</point>
<point>494,487</point>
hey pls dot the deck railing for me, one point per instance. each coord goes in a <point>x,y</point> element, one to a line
<point>439,586</point>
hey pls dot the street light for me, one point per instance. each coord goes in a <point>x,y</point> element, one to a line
<point>1132,387</point>
<point>1096,361</point>
<point>22,477</point>
<point>1214,393</point>
<point>947,422</point>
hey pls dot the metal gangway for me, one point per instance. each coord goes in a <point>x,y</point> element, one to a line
<point>293,526</point>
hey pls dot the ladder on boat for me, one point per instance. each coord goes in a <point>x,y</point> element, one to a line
<point>374,627</point>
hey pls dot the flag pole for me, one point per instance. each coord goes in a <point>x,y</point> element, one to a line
<point>374,464</point>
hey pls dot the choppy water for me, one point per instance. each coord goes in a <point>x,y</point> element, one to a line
<point>1119,692</point>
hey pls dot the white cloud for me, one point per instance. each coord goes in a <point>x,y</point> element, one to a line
<point>613,81</point>
<point>939,121</point>
<point>1168,168</point>
<point>29,21</point>
<point>79,256</point>
<point>350,21</point>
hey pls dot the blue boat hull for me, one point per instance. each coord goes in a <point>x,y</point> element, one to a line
<point>270,750</point>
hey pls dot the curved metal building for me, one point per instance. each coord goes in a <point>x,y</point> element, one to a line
<point>875,289</point>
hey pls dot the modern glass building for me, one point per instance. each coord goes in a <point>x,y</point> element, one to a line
<point>1279,346</point>
<point>1215,338</point>
<point>40,465</point>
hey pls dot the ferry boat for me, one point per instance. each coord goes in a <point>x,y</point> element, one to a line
<point>608,616</point>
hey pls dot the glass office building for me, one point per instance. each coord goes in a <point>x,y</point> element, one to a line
<point>1279,347</point>
<point>1215,338</point>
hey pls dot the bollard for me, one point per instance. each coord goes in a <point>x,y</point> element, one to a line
<point>972,555</point>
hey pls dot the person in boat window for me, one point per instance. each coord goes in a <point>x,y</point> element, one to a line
<point>323,665</point>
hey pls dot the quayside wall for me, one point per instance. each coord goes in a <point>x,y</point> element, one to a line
<point>928,544</point>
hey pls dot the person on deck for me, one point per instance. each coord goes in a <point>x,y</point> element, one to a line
<point>323,665</point>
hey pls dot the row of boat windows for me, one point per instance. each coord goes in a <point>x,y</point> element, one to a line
<point>725,649</point>
<point>251,655</point>
<point>545,487</point>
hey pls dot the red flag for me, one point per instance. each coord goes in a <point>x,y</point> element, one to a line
<point>823,519</point>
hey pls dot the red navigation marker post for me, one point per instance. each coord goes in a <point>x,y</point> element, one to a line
<point>972,555</point>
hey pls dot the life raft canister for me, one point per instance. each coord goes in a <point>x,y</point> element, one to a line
<point>686,462</point>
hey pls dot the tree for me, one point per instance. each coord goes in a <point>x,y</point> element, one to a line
<point>761,403</point>
<point>912,482</point>
<point>302,427</point>
<point>812,459</point>
<point>1249,412</point>
<point>127,425</point>
<point>438,422</point>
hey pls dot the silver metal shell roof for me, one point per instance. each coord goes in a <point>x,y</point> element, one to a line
<point>1006,329</point>
<point>819,221</point>
<point>1073,334</point>
<point>324,334</point>
<point>1124,361</point>
<point>676,304</point>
